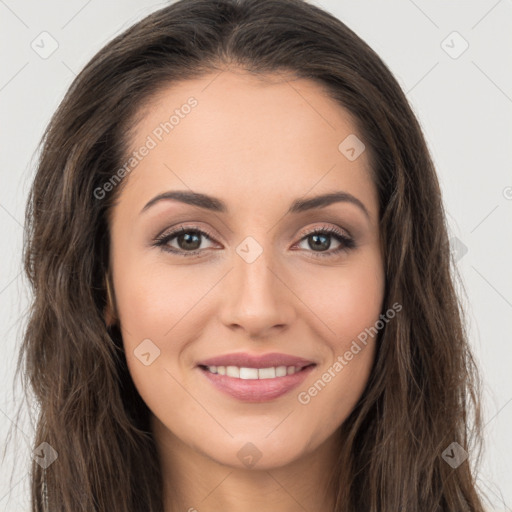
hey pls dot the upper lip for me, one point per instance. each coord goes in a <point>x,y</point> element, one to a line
<point>246,360</point>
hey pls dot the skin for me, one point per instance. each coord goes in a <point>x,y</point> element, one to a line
<point>258,145</point>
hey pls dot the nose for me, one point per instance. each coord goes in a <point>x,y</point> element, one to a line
<point>256,298</point>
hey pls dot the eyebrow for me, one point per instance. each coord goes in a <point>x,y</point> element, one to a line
<point>217,205</point>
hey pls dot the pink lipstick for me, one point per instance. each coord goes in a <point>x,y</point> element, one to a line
<point>256,378</point>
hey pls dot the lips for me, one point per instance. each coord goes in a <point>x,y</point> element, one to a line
<point>246,360</point>
<point>290,372</point>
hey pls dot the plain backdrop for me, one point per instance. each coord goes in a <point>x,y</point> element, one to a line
<point>453,59</point>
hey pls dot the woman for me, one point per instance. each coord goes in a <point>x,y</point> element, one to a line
<point>258,368</point>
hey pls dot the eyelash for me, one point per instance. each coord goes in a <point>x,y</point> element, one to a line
<point>346,242</point>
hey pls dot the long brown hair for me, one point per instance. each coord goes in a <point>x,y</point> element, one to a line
<point>423,392</point>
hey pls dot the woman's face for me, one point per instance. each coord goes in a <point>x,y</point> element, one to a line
<point>260,283</point>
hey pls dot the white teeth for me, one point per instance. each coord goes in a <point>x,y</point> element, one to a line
<point>233,371</point>
<point>267,373</point>
<point>253,373</point>
<point>280,371</point>
<point>248,373</point>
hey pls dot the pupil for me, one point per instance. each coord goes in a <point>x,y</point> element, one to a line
<point>187,238</point>
<point>326,243</point>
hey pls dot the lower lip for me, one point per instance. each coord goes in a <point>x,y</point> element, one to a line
<point>257,390</point>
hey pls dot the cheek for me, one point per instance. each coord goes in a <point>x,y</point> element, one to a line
<point>150,302</point>
<point>347,306</point>
<point>351,307</point>
<point>157,303</point>
<point>360,300</point>
<point>151,299</point>
<point>345,300</point>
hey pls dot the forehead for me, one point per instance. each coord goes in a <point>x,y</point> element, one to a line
<point>272,136</point>
<point>295,109</point>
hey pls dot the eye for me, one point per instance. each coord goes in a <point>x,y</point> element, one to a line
<point>188,240</point>
<point>319,238</point>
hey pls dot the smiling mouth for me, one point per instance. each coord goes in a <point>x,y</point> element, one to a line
<point>244,373</point>
<point>256,384</point>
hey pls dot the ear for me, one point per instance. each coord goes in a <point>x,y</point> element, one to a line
<point>109,311</point>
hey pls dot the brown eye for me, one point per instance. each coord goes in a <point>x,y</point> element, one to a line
<point>187,241</point>
<point>190,240</point>
<point>319,241</point>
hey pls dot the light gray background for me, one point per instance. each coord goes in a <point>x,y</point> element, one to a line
<point>464,105</point>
